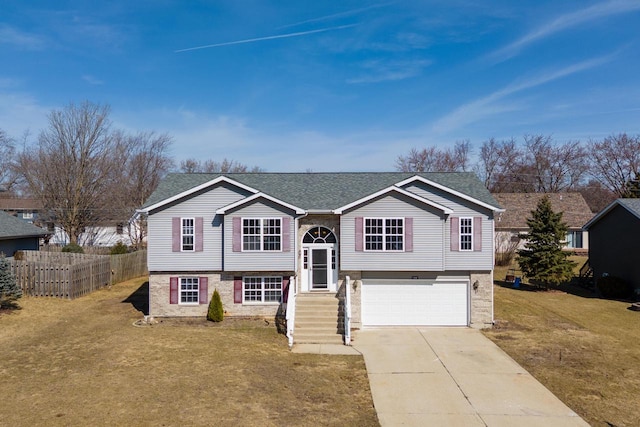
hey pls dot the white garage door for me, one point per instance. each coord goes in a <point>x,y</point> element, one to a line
<point>414,303</point>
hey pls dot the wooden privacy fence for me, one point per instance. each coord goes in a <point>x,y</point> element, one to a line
<point>64,275</point>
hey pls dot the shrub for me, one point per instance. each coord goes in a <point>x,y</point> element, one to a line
<point>215,313</point>
<point>614,287</point>
<point>9,289</point>
<point>119,249</point>
<point>73,248</point>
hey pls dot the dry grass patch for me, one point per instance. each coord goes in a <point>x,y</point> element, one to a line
<point>83,362</point>
<point>584,349</point>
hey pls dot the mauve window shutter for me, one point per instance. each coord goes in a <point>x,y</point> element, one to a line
<point>408,234</point>
<point>199,232</point>
<point>173,290</point>
<point>203,288</point>
<point>455,234</point>
<point>286,234</point>
<point>477,233</point>
<point>237,290</point>
<point>237,234</point>
<point>175,234</point>
<point>285,289</point>
<point>359,232</point>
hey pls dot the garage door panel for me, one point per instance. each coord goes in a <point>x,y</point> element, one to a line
<point>402,304</point>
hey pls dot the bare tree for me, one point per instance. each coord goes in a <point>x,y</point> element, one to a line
<point>8,177</point>
<point>71,168</point>
<point>498,164</point>
<point>212,166</point>
<point>432,159</point>
<point>615,161</point>
<point>596,195</point>
<point>147,163</point>
<point>554,167</point>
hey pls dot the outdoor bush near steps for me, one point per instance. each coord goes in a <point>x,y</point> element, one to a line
<point>614,287</point>
<point>215,313</point>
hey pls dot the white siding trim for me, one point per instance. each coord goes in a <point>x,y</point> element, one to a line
<point>414,196</point>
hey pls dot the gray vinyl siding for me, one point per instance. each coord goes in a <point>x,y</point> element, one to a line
<point>462,260</point>
<point>428,235</point>
<point>256,260</point>
<point>613,246</point>
<point>160,255</point>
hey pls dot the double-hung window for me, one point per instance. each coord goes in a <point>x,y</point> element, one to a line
<point>189,290</point>
<point>262,289</point>
<point>261,234</point>
<point>466,234</point>
<point>188,234</point>
<point>384,234</point>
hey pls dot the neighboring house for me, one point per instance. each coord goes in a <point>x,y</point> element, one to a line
<point>418,248</point>
<point>24,208</point>
<point>106,235</point>
<point>17,235</point>
<point>613,236</point>
<point>518,208</point>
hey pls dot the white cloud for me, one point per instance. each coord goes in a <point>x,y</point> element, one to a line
<point>92,80</point>
<point>380,71</point>
<point>564,22</point>
<point>495,103</point>
<point>20,39</point>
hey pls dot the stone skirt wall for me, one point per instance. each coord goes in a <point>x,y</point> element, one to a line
<point>159,305</point>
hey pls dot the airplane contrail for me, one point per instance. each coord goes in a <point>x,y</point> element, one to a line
<point>281,36</point>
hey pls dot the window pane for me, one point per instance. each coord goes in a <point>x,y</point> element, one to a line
<point>189,290</point>
<point>188,234</point>
<point>271,231</point>
<point>466,234</point>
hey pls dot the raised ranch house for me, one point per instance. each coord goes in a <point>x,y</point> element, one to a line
<point>614,235</point>
<point>518,207</point>
<point>373,249</point>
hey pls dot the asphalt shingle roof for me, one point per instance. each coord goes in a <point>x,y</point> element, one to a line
<point>12,227</point>
<point>633,205</point>
<point>518,207</point>
<point>322,191</point>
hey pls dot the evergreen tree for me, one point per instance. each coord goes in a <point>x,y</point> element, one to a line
<point>215,313</point>
<point>542,260</point>
<point>9,289</point>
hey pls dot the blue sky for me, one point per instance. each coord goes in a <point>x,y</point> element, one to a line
<point>326,86</point>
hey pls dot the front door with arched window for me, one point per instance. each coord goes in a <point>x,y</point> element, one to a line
<point>319,260</point>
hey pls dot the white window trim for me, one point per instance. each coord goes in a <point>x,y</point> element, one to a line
<point>182,234</point>
<point>27,215</point>
<point>384,234</point>
<point>197,281</point>
<point>262,279</point>
<point>261,235</point>
<point>460,234</point>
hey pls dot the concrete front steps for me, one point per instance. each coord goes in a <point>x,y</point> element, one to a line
<point>317,319</point>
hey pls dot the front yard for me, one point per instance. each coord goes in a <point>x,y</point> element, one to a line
<point>586,350</point>
<point>83,362</point>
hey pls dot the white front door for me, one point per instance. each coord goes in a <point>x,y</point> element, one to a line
<point>319,267</point>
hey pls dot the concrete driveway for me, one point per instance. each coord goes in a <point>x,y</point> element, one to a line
<point>453,377</point>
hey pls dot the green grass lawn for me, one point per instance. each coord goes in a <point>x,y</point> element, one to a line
<point>83,362</point>
<point>586,350</point>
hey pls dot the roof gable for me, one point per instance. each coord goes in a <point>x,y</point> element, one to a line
<point>518,207</point>
<point>631,205</point>
<point>388,190</point>
<point>257,196</point>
